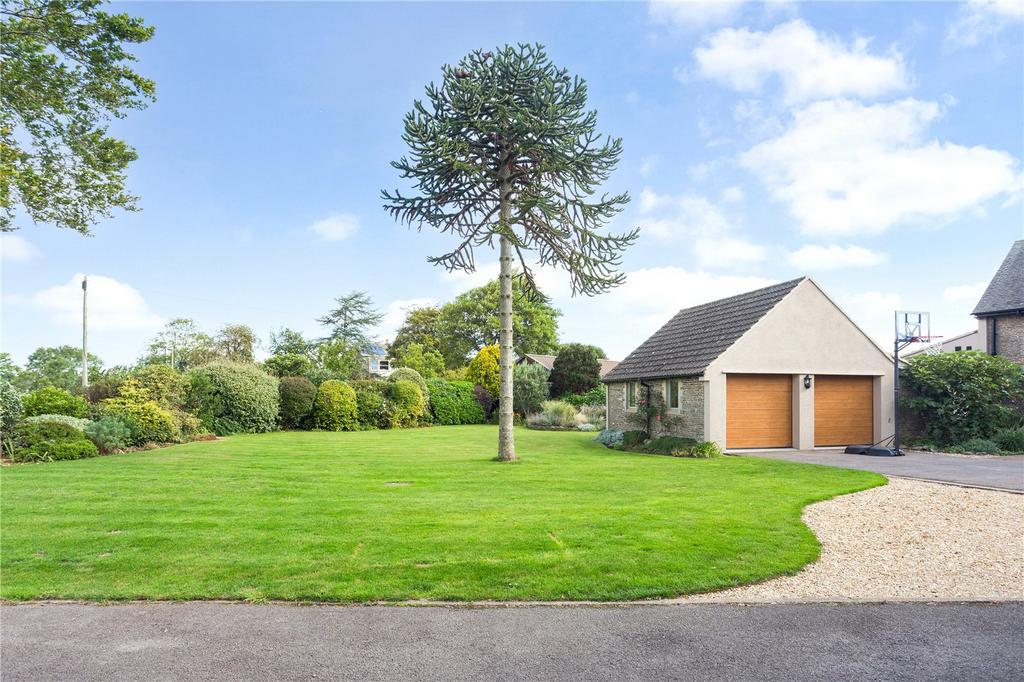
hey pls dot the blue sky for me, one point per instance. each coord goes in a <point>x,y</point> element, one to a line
<point>874,146</point>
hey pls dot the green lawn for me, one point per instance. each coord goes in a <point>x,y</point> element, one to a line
<point>394,515</point>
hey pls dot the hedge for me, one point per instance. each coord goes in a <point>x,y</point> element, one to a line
<point>374,407</point>
<point>47,441</point>
<point>335,407</point>
<point>452,402</point>
<point>410,404</point>
<point>297,395</point>
<point>232,398</point>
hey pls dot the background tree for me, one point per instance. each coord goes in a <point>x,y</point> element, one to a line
<point>577,369</point>
<point>598,351</point>
<point>429,363</point>
<point>340,360</point>
<point>288,341</point>
<point>531,388</point>
<point>65,73</point>
<point>421,326</point>
<point>182,345</point>
<point>504,150</point>
<point>352,319</point>
<point>485,370</point>
<point>237,343</point>
<point>473,320</point>
<point>59,366</point>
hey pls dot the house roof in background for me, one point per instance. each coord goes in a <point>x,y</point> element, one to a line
<point>1005,293</point>
<point>696,336</point>
<point>548,362</point>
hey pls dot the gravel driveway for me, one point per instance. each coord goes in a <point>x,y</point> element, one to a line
<point>906,540</point>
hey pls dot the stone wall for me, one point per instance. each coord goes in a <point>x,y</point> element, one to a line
<point>686,421</point>
<point>1010,337</point>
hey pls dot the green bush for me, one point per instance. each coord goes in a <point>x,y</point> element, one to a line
<point>231,398</point>
<point>631,440</point>
<point>288,365</point>
<point>374,407</point>
<point>74,422</point>
<point>162,383</point>
<point>53,400</point>
<point>108,434</point>
<point>706,450</point>
<point>335,407</point>
<point>610,438</point>
<point>10,412</point>
<point>296,401</point>
<point>147,422</point>
<point>576,370</point>
<point>47,441</point>
<point>410,403</point>
<point>410,374</point>
<point>529,388</point>
<point>669,445</point>
<point>960,396</point>
<point>595,396</point>
<point>1010,440</point>
<point>982,445</point>
<point>452,403</point>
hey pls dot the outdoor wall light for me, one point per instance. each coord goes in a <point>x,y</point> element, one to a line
<point>807,381</point>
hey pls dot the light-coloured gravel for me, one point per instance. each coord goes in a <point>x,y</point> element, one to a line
<point>907,540</point>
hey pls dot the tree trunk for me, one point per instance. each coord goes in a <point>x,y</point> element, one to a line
<point>506,438</point>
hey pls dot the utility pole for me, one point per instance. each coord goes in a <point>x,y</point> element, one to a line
<point>85,333</point>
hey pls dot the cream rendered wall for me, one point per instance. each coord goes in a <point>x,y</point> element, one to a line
<point>805,333</point>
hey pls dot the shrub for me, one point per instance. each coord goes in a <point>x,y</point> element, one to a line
<point>10,413</point>
<point>162,384</point>
<point>529,388</point>
<point>982,445</point>
<point>554,414</point>
<point>705,450</point>
<point>669,445</point>
<point>74,422</point>
<point>633,439</point>
<point>230,398</point>
<point>288,365</point>
<point>147,422</point>
<point>374,407</point>
<point>46,441</point>
<point>409,374</point>
<point>588,427</point>
<point>484,369</point>
<point>595,396</point>
<point>610,438</point>
<point>335,407</point>
<point>452,403</point>
<point>53,400</point>
<point>577,369</point>
<point>296,401</point>
<point>409,402</point>
<point>960,396</point>
<point>1010,440</point>
<point>484,399</point>
<point>108,434</point>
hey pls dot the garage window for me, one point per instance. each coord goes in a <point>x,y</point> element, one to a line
<point>631,395</point>
<point>672,389</point>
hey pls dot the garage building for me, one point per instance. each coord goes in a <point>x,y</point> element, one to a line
<point>779,367</point>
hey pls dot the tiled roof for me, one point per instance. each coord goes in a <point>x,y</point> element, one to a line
<point>696,336</point>
<point>1005,293</point>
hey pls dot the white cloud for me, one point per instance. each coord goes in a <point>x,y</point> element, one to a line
<point>728,252</point>
<point>463,281</point>
<point>647,165</point>
<point>396,311</point>
<point>981,19</point>
<point>112,304</point>
<point>16,249</point>
<point>964,292</point>
<point>732,195</point>
<point>809,65</point>
<point>815,257</point>
<point>336,227</point>
<point>846,168</point>
<point>694,14</point>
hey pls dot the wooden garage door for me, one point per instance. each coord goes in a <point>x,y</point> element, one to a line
<point>843,410</point>
<point>758,411</point>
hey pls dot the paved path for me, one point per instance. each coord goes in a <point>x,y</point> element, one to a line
<point>990,472</point>
<point>192,641</point>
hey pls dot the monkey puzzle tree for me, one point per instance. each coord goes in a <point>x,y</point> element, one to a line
<point>504,150</point>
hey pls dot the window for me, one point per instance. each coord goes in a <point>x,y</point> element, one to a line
<point>969,348</point>
<point>957,349</point>
<point>384,365</point>
<point>673,394</point>
<point>631,394</point>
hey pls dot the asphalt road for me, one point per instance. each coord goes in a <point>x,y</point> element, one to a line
<point>988,472</point>
<point>200,641</point>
